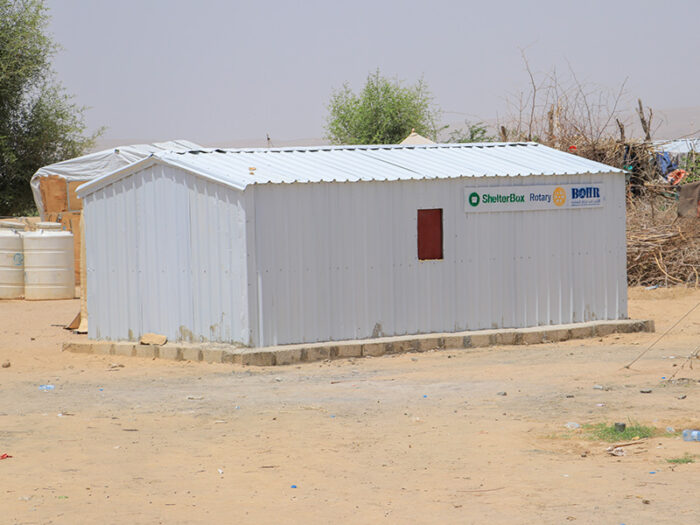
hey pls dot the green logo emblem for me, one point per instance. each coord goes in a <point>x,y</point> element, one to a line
<point>474,199</point>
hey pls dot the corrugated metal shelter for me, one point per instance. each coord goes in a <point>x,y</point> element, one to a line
<point>54,186</point>
<point>276,246</point>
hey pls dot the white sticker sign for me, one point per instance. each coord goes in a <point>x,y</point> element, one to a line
<point>526,198</point>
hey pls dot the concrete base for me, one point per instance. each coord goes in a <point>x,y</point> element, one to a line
<point>291,354</point>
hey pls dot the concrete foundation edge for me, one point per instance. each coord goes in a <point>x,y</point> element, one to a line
<point>292,354</point>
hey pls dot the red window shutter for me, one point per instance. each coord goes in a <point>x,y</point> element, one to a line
<point>430,234</point>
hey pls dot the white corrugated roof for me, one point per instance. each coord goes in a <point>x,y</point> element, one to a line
<point>102,162</point>
<point>239,168</point>
<point>95,165</point>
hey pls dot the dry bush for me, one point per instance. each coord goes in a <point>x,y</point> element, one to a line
<point>561,111</point>
<point>662,249</point>
<point>582,118</point>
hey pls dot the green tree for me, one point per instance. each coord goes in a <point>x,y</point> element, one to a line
<point>384,112</point>
<point>39,123</point>
<point>477,132</point>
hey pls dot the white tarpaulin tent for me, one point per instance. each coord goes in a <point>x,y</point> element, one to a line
<point>94,165</point>
<point>678,146</point>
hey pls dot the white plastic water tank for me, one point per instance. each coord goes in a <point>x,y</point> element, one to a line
<point>48,265</point>
<point>49,225</point>
<point>11,260</point>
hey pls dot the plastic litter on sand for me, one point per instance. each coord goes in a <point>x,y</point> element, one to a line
<point>691,435</point>
<point>46,388</point>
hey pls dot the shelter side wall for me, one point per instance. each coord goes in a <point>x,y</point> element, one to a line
<point>219,264</point>
<point>339,261</point>
<point>617,247</point>
<point>166,254</point>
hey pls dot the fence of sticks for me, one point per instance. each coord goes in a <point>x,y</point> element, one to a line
<point>662,248</point>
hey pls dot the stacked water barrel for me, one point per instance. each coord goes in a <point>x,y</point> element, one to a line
<point>36,264</point>
<point>11,260</point>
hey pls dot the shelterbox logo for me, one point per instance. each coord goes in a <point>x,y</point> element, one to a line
<point>502,198</point>
<point>535,197</point>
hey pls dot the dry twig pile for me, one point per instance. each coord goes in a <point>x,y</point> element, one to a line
<point>661,248</point>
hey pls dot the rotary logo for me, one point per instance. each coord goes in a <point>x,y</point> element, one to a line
<point>559,196</point>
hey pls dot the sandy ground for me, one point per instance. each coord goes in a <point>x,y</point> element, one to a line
<point>416,438</point>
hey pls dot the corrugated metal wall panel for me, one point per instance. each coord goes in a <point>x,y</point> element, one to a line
<point>166,253</point>
<point>339,261</point>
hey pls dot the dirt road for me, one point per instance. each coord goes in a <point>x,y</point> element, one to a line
<point>416,438</point>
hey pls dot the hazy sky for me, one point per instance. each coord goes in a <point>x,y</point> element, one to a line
<point>220,72</point>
